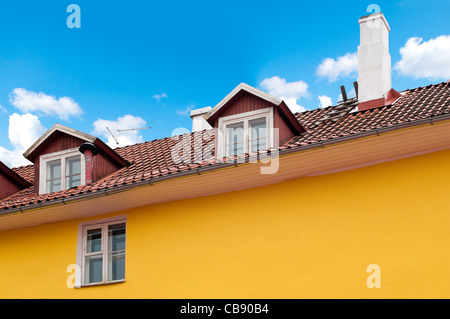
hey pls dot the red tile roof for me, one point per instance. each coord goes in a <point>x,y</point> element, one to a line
<point>153,160</point>
<point>26,172</point>
<point>420,103</point>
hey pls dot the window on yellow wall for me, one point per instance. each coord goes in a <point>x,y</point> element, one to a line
<point>103,252</point>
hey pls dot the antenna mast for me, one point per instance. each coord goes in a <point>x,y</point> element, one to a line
<point>117,143</point>
<point>134,129</point>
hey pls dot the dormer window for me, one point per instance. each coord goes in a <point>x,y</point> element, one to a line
<point>248,120</point>
<point>245,132</point>
<point>61,171</point>
<point>64,158</point>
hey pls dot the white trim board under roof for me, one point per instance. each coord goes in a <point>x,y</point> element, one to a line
<point>243,87</point>
<point>63,129</point>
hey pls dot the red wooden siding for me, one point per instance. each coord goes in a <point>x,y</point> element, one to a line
<point>36,175</point>
<point>103,167</point>
<point>7,187</point>
<point>244,102</point>
<point>285,132</point>
<point>59,141</point>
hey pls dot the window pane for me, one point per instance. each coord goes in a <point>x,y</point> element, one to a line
<point>54,186</point>
<point>94,240</point>
<point>94,266</point>
<point>73,171</point>
<point>235,149</point>
<point>235,133</point>
<point>258,145</point>
<point>53,176</point>
<point>258,128</point>
<point>258,134</point>
<point>116,266</point>
<point>116,237</point>
<point>73,181</point>
<point>235,139</point>
<point>53,170</point>
<point>73,165</point>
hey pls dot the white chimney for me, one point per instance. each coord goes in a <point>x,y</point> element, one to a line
<point>198,121</point>
<point>374,61</point>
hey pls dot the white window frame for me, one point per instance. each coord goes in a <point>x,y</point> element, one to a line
<point>61,155</point>
<point>245,117</point>
<point>81,249</point>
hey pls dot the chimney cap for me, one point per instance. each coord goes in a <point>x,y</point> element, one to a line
<point>200,111</point>
<point>88,146</point>
<point>374,16</point>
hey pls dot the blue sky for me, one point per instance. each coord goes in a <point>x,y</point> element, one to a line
<point>154,61</point>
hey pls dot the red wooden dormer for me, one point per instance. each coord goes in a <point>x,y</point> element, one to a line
<point>248,120</point>
<point>10,182</point>
<point>61,161</point>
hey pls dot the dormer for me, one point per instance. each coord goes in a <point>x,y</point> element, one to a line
<point>10,182</point>
<point>248,120</point>
<point>61,161</point>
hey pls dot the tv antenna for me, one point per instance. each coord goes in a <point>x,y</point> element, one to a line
<point>126,130</point>
<point>134,129</point>
<point>117,143</point>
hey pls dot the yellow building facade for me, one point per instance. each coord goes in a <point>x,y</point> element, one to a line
<point>257,202</point>
<point>309,237</point>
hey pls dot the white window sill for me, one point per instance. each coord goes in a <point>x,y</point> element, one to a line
<point>101,283</point>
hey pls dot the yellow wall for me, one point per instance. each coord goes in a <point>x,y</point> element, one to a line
<point>307,238</point>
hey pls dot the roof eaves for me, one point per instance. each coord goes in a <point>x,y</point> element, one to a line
<point>198,169</point>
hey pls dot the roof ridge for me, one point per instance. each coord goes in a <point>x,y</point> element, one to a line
<point>428,86</point>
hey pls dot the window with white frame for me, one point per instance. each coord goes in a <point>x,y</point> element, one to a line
<point>245,132</point>
<point>61,170</point>
<point>103,252</point>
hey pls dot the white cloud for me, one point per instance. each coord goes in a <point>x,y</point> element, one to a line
<point>292,104</point>
<point>425,59</point>
<point>29,101</point>
<point>124,138</point>
<point>324,101</point>
<point>186,111</point>
<point>23,131</point>
<point>158,97</point>
<point>289,92</point>
<point>12,158</point>
<point>334,69</point>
